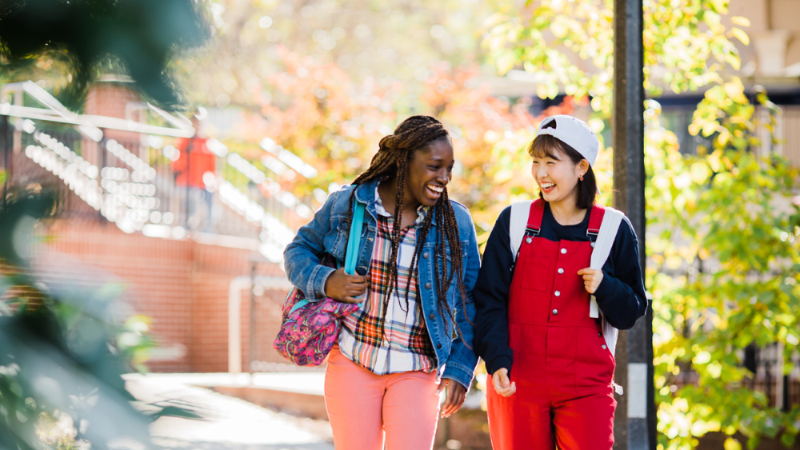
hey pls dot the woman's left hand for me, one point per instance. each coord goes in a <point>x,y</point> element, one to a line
<point>591,279</point>
<point>456,394</point>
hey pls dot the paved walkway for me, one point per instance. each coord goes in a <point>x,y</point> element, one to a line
<point>230,424</point>
<point>303,382</point>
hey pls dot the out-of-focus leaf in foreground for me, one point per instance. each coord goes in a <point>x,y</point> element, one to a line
<point>141,35</point>
<point>61,349</point>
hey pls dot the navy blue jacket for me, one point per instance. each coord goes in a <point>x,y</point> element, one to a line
<point>621,295</point>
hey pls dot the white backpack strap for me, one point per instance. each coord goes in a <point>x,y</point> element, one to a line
<point>610,334</point>
<point>602,247</point>
<point>605,239</point>
<point>517,225</point>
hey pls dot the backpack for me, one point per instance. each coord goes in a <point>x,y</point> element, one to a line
<point>309,330</point>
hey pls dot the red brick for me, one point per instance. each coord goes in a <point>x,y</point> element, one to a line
<point>181,284</point>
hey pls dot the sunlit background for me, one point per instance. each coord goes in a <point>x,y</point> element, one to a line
<point>158,157</point>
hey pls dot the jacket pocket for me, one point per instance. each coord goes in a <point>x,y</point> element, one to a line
<point>336,241</point>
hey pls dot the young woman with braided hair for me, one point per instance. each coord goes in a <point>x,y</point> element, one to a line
<point>417,265</point>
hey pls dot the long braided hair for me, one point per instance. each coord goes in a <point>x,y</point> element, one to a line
<point>394,153</point>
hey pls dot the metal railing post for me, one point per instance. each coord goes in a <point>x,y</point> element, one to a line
<point>5,133</point>
<point>252,351</point>
<point>101,160</point>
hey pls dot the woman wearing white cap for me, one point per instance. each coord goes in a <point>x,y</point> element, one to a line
<point>559,276</point>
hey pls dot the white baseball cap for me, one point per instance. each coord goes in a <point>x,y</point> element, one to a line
<point>573,132</point>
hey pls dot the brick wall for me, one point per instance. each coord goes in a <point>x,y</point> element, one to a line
<point>181,284</point>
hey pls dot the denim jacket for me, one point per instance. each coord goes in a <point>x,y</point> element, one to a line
<point>328,232</point>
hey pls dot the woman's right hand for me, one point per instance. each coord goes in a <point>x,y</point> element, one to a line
<point>345,288</point>
<point>502,385</point>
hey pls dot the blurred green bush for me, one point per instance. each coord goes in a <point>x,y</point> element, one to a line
<point>64,349</point>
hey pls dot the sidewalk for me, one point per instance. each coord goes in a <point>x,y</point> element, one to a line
<point>301,382</point>
<point>231,424</point>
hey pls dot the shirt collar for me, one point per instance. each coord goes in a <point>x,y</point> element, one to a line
<point>422,210</point>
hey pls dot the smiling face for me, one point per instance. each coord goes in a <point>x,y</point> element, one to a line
<point>557,175</point>
<point>429,171</point>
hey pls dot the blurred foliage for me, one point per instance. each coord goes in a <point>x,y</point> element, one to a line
<point>331,121</point>
<point>324,79</point>
<point>334,123</point>
<point>723,233</point>
<point>725,267</point>
<point>72,42</point>
<point>386,41</point>
<point>63,350</point>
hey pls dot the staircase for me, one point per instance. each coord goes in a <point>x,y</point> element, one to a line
<point>131,184</point>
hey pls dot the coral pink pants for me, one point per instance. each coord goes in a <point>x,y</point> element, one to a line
<point>363,406</point>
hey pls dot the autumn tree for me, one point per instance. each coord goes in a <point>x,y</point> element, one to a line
<point>319,114</point>
<point>388,41</point>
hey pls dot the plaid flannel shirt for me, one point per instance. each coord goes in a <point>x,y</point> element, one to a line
<point>406,346</point>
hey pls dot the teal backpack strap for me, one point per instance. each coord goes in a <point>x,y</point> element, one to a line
<point>299,305</point>
<point>353,244</point>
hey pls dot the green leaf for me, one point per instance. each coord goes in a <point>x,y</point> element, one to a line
<point>741,21</point>
<point>734,60</point>
<point>738,33</point>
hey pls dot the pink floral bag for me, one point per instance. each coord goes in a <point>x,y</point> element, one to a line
<point>310,329</point>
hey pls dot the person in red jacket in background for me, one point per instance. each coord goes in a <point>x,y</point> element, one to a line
<point>194,168</point>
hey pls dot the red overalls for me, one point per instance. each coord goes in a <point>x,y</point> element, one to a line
<point>562,367</point>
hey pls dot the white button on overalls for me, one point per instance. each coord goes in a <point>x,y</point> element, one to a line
<point>563,251</point>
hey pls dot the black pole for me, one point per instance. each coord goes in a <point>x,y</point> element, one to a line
<point>635,423</point>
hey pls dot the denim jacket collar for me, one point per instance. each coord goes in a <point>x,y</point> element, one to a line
<point>365,193</point>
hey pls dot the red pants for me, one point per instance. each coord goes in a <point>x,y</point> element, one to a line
<point>562,367</point>
<point>522,422</point>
